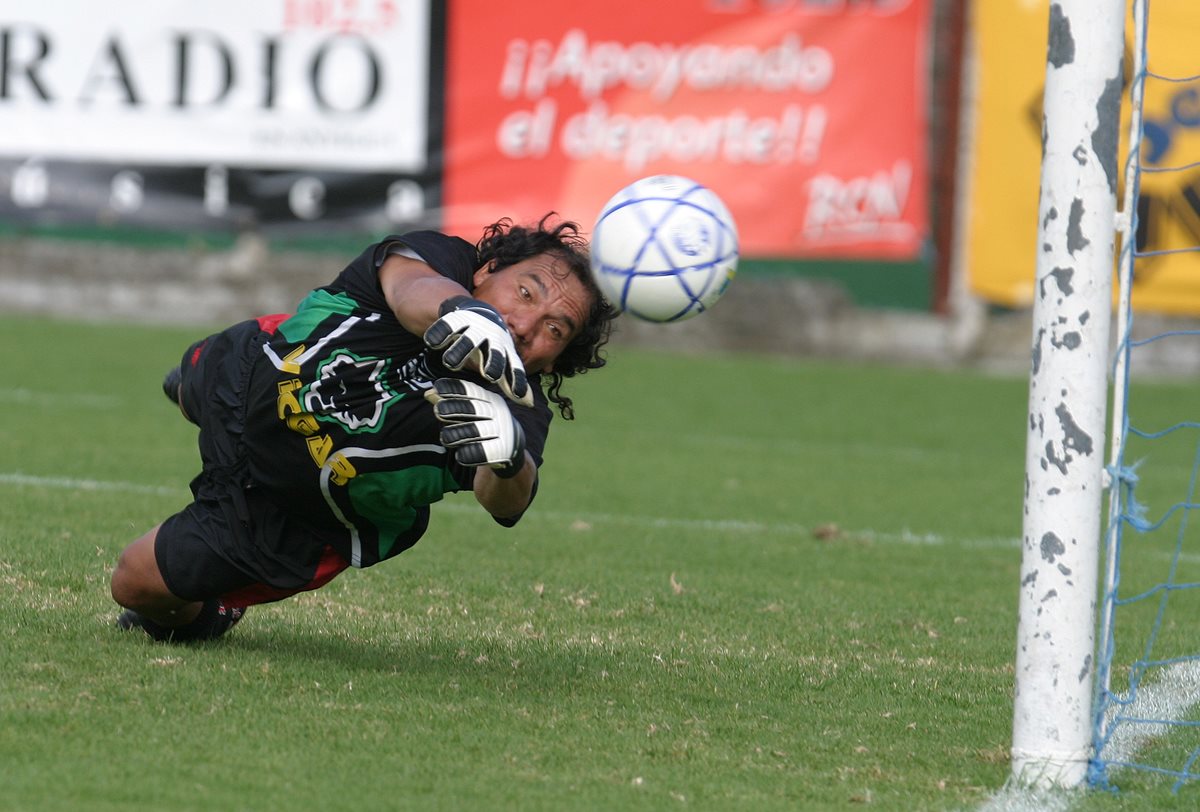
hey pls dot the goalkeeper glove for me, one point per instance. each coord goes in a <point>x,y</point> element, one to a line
<point>473,331</point>
<point>478,426</point>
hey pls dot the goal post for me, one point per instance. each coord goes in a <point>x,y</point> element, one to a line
<point>1068,394</point>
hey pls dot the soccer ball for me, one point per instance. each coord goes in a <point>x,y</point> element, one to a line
<point>664,248</point>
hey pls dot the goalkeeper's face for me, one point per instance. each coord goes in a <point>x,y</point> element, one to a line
<point>543,303</point>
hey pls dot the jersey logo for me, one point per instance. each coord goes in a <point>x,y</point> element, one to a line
<point>416,374</point>
<point>350,390</point>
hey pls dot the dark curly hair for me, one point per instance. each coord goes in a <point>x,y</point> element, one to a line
<point>504,244</point>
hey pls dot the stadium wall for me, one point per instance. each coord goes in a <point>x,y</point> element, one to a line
<point>762,312</point>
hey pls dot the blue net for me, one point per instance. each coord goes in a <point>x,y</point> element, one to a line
<point>1147,710</point>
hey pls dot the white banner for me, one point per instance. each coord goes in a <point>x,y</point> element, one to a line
<point>324,84</point>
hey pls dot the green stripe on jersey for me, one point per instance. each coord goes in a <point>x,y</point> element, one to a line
<point>385,498</point>
<point>316,307</point>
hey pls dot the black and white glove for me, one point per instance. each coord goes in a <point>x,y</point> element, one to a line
<point>471,331</point>
<point>479,426</point>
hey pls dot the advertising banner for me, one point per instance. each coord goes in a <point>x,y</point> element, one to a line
<point>223,112</point>
<point>315,117</point>
<point>808,119</point>
<point>1001,235</point>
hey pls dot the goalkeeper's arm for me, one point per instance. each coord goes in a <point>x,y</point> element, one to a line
<point>467,332</point>
<point>505,498</point>
<point>414,291</point>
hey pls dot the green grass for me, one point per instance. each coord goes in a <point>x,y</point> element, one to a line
<point>747,583</point>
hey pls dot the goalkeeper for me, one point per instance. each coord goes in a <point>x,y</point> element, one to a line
<point>426,367</point>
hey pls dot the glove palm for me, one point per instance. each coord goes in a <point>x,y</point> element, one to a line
<point>473,332</point>
<point>478,426</point>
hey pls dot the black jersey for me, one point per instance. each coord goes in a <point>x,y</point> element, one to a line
<point>337,429</point>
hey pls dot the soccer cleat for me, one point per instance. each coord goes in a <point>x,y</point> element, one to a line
<point>171,384</point>
<point>227,618</point>
<point>129,620</point>
<point>214,620</point>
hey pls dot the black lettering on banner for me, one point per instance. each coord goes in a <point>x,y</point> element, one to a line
<point>328,63</point>
<point>270,51</point>
<point>372,85</point>
<point>10,67</point>
<point>183,61</point>
<point>109,56</point>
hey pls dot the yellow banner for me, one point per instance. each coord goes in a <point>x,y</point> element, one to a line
<point>1001,236</point>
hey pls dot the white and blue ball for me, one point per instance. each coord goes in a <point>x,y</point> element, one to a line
<point>664,248</point>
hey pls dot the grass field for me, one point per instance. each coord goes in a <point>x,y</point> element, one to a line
<point>746,583</point>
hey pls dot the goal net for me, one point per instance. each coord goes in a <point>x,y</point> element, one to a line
<point>1146,719</point>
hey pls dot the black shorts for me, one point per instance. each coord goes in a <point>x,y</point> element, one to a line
<point>202,555</point>
<point>233,541</point>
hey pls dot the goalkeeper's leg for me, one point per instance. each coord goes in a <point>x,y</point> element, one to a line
<point>138,585</point>
<point>181,581</point>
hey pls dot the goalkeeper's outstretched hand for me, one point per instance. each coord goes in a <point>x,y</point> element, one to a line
<point>478,426</point>
<point>474,332</point>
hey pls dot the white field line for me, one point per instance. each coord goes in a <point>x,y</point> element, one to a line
<point>904,536</point>
<point>29,397</point>
<point>809,445</point>
<point>1013,798</point>
<point>1171,696</point>
<point>72,484</point>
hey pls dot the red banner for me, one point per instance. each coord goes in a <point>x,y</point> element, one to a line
<point>809,120</point>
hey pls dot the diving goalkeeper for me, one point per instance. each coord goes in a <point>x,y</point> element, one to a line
<point>427,366</point>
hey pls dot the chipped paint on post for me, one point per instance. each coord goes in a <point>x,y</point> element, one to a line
<point>1068,394</point>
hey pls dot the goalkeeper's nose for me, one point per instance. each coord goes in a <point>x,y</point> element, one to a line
<point>519,329</point>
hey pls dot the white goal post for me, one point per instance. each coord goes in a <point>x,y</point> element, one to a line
<point>1068,394</point>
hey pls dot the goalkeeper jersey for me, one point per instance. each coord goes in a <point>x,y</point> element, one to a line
<point>337,429</point>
